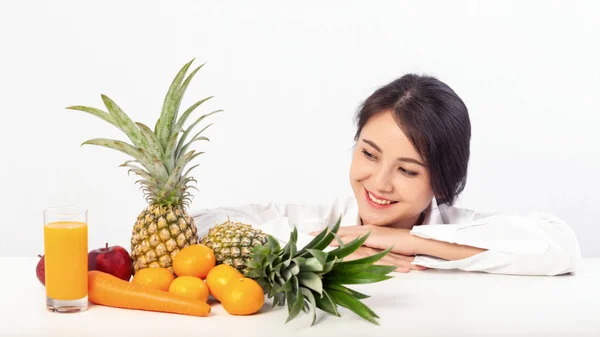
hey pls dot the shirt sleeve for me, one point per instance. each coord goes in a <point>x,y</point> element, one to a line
<point>536,244</point>
<point>279,220</point>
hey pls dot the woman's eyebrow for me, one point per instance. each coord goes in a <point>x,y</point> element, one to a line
<point>404,159</point>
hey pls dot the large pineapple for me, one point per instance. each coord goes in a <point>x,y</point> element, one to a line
<point>306,278</point>
<point>232,243</point>
<point>159,158</point>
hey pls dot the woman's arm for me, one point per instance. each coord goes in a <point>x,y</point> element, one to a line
<point>444,250</point>
<point>536,244</point>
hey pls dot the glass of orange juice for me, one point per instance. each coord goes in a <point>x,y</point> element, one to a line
<point>66,258</point>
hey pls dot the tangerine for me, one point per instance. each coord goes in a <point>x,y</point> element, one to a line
<point>218,277</point>
<point>154,277</point>
<point>242,296</point>
<point>190,287</point>
<point>194,260</point>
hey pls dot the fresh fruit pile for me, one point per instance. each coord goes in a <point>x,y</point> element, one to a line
<point>235,263</point>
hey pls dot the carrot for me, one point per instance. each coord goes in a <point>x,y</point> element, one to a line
<point>106,289</point>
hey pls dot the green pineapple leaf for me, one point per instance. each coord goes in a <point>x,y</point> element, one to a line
<point>347,290</point>
<point>351,269</point>
<point>96,112</point>
<point>352,304</point>
<point>153,143</point>
<point>362,277</point>
<point>345,250</point>
<point>179,126</point>
<point>313,303</point>
<point>125,123</point>
<point>311,281</point>
<point>323,239</point>
<point>327,304</point>
<point>368,259</point>
<point>296,306</point>
<point>163,127</point>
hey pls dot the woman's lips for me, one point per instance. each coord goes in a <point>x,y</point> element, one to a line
<point>378,202</point>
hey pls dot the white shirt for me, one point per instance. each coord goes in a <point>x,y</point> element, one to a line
<point>535,244</point>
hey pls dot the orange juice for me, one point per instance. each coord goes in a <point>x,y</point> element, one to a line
<point>66,259</point>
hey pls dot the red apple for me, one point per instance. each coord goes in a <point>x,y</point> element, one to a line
<point>113,260</point>
<point>40,270</point>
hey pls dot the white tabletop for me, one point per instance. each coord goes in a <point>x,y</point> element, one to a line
<point>419,303</point>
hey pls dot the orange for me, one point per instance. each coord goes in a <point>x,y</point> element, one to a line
<point>153,277</point>
<point>190,287</point>
<point>218,277</point>
<point>242,296</point>
<point>194,260</point>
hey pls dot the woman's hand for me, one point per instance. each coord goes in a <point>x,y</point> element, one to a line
<point>402,262</point>
<point>381,238</point>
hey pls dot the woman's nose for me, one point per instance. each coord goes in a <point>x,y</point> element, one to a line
<point>383,181</point>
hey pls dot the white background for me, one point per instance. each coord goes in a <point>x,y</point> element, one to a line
<point>290,76</point>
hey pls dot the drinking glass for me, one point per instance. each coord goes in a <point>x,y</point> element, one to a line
<point>66,258</point>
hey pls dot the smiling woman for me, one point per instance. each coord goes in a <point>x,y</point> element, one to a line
<point>408,167</point>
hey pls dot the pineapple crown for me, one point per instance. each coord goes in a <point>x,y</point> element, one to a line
<point>311,278</point>
<point>160,155</point>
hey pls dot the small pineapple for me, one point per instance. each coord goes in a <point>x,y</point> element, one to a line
<point>159,158</point>
<point>311,278</point>
<point>232,243</point>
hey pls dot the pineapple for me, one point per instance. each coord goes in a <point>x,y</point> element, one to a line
<point>311,278</point>
<point>232,243</point>
<point>159,158</point>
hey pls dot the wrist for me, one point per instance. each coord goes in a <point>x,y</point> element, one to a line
<point>419,245</point>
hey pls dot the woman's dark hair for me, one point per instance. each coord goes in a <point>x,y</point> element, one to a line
<point>435,120</point>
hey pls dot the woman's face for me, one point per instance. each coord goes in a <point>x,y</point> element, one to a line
<point>388,177</point>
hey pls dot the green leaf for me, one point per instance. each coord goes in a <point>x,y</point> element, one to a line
<point>345,250</point>
<point>312,281</point>
<point>358,278</point>
<point>179,126</point>
<point>369,259</point>
<point>323,239</point>
<point>326,304</point>
<point>96,112</point>
<point>125,148</point>
<point>181,92</point>
<point>328,267</point>
<point>352,304</point>
<point>349,269</point>
<point>296,306</point>
<point>311,264</point>
<point>154,146</point>
<point>167,115</point>
<point>347,290</point>
<point>125,123</point>
<point>187,131</point>
<point>320,255</point>
<point>313,303</point>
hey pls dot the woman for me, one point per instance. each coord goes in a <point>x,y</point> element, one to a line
<point>409,165</point>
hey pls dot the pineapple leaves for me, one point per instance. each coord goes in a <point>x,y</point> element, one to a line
<point>96,112</point>
<point>311,281</point>
<point>179,126</point>
<point>132,151</point>
<point>170,104</point>
<point>313,303</point>
<point>326,304</point>
<point>295,302</point>
<point>153,142</point>
<point>362,277</point>
<point>353,304</point>
<point>320,255</point>
<point>125,123</point>
<point>347,290</point>
<point>345,250</point>
<point>323,239</point>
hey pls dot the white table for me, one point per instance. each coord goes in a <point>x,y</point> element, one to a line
<point>420,303</point>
